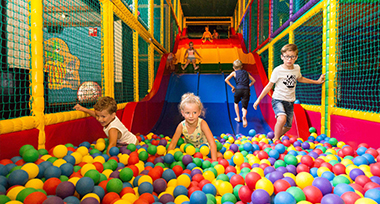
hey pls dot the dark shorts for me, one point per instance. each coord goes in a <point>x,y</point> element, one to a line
<point>283,108</point>
<point>243,96</point>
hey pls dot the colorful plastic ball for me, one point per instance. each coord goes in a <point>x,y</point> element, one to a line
<point>373,194</point>
<point>209,189</point>
<point>245,194</point>
<point>84,185</point>
<point>332,199</point>
<point>114,151</point>
<point>313,194</point>
<point>281,185</point>
<point>52,172</point>
<point>60,151</point>
<point>266,185</point>
<point>115,185</point>
<point>144,187</point>
<point>168,175</point>
<point>30,155</point>
<point>35,197</point>
<point>284,197</point>
<point>126,174</point>
<point>304,179</point>
<point>65,189</point>
<point>89,200</point>
<point>228,198</point>
<point>252,132</point>
<point>260,196</point>
<point>323,184</point>
<point>198,197</point>
<point>18,177</point>
<point>342,188</point>
<point>24,193</point>
<point>350,197</point>
<point>365,201</point>
<point>180,190</point>
<point>167,198</point>
<point>297,193</point>
<point>270,135</point>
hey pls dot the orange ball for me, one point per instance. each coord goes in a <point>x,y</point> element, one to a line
<point>50,185</point>
<point>35,198</point>
<point>110,198</point>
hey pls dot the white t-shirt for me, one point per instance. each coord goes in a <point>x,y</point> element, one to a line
<point>286,81</point>
<point>124,136</point>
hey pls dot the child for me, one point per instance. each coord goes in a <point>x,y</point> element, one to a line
<point>242,90</point>
<point>206,36</point>
<point>170,61</point>
<point>195,129</point>
<point>105,113</point>
<point>215,35</point>
<point>285,77</point>
<point>191,57</point>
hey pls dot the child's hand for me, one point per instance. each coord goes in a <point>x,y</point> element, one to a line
<point>233,90</point>
<point>78,107</point>
<point>321,79</point>
<point>256,104</point>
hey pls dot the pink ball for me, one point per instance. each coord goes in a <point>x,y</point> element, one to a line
<point>350,197</point>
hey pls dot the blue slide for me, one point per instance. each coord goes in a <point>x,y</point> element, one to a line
<point>218,102</point>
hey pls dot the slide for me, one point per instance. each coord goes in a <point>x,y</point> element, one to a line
<point>159,113</point>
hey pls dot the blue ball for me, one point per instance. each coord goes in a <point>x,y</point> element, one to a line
<point>18,177</point>
<point>314,172</point>
<point>359,160</point>
<point>99,191</point>
<point>3,190</point>
<point>168,175</point>
<point>274,154</point>
<point>106,157</point>
<point>180,190</point>
<point>373,194</point>
<point>210,188</point>
<point>52,172</point>
<point>114,151</point>
<point>15,159</point>
<point>85,185</point>
<point>342,188</point>
<point>145,187</point>
<point>284,197</point>
<point>252,132</point>
<point>280,148</point>
<point>247,146</point>
<point>168,158</point>
<point>297,102</point>
<point>3,170</point>
<point>86,144</point>
<point>361,150</point>
<point>198,197</point>
<point>67,169</point>
<point>45,164</point>
<point>136,181</point>
<point>191,166</point>
<point>328,175</point>
<point>69,159</point>
<point>369,158</point>
<point>4,181</point>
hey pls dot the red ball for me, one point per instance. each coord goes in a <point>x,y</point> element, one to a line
<point>148,197</point>
<point>281,185</point>
<point>362,180</point>
<point>357,187</point>
<point>262,155</point>
<point>177,170</point>
<point>110,197</point>
<point>197,177</point>
<point>282,157</point>
<point>138,201</point>
<point>245,165</point>
<point>363,145</point>
<point>302,168</point>
<point>103,184</point>
<point>50,185</point>
<point>98,166</point>
<point>350,197</point>
<point>313,194</point>
<point>151,158</point>
<point>340,153</point>
<point>307,160</point>
<point>318,151</point>
<point>375,169</point>
<point>133,159</point>
<point>154,174</point>
<point>20,162</point>
<point>127,190</point>
<point>339,169</point>
<point>193,184</point>
<point>202,183</point>
<point>236,180</point>
<point>348,151</point>
<point>245,194</point>
<point>328,165</point>
<point>292,140</point>
<point>6,161</point>
<point>370,185</point>
<point>187,171</point>
<point>224,163</point>
<point>134,169</point>
<point>192,189</point>
<point>251,178</point>
<point>35,198</point>
<point>198,155</point>
<point>286,143</point>
<point>230,169</point>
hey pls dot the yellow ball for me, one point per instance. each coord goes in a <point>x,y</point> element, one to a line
<point>74,180</point>
<point>82,150</point>
<point>182,147</point>
<point>32,169</point>
<point>100,146</point>
<point>34,183</point>
<point>258,170</point>
<point>190,150</point>
<point>170,190</point>
<point>180,199</point>
<point>266,185</point>
<point>172,183</point>
<point>60,151</point>
<point>340,144</point>
<point>99,159</point>
<point>124,159</point>
<point>219,168</point>
<point>304,202</point>
<point>107,172</point>
<point>231,140</point>
<point>161,150</point>
<point>78,157</point>
<point>130,197</point>
<point>225,187</point>
<point>204,150</point>
<point>122,201</point>
<point>12,194</point>
<point>238,159</point>
<point>209,175</point>
<point>304,179</point>
<point>265,161</point>
<point>86,167</point>
<point>321,170</point>
<point>59,162</point>
<point>14,202</point>
<point>365,201</point>
<point>346,162</point>
<point>93,195</point>
<point>228,154</point>
<point>45,157</point>
<point>290,175</point>
<point>145,178</point>
<point>184,180</point>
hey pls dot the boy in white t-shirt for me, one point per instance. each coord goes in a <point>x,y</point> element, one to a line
<point>285,77</point>
<point>105,113</point>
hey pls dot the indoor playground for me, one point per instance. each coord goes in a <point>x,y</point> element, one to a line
<point>56,54</point>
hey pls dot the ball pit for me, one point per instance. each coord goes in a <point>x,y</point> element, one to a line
<point>254,169</point>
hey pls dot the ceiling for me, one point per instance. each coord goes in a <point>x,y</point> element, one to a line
<point>208,7</point>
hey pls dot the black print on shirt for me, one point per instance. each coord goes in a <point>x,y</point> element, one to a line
<point>290,81</point>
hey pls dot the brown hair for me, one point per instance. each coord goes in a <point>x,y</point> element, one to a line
<point>191,98</point>
<point>289,47</point>
<point>106,103</point>
<point>237,64</point>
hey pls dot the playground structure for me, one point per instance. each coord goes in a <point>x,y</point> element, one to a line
<point>123,45</point>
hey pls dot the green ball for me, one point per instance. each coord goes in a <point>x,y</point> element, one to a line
<point>211,197</point>
<point>63,178</point>
<point>245,170</point>
<point>143,155</point>
<point>219,146</point>
<point>312,130</point>
<point>180,142</point>
<point>114,185</point>
<point>94,175</point>
<point>229,197</point>
<point>322,148</point>
<point>340,179</point>
<point>244,153</point>
<point>178,156</point>
<point>77,168</point>
<point>113,164</point>
<point>24,193</point>
<point>15,168</point>
<point>291,159</point>
<point>43,152</point>
<point>279,163</point>
<point>241,148</point>
<point>107,165</point>
<point>236,190</point>
<point>206,164</point>
<point>197,162</point>
<point>4,199</point>
<point>333,142</point>
<point>223,177</point>
<point>24,148</point>
<point>30,155</point>
<point>297,193</point>
<point>213,164</point>
<point>267,150</point>
<point>52,159</point>
<point>131,147</point>
<point>102,177</point>
<point>152,150</point>
<point>160,164</point>
<point>333,162</point>
<point>94,151</point>
<point>69,145</point>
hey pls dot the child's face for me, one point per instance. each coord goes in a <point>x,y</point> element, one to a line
<point>104,117</point>
<point>206,28</point>
<point>191,112</point>
<point>289,57</point>
<point>191,45</point>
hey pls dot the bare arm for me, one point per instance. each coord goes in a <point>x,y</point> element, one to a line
<point>176,137</point>
<point>112,137</point>
<point>210,139</point>
<point>184,56</point>
<point>265,91</point>
<point>83,109</point>
<point>310,81</point>
<point>252,80</point>
<point>197,53</point>
<point>227,80</point>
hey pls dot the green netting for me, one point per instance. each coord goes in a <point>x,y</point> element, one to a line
<point>157,21</point>
<point>167,16</point>
<point>357,79</point>
<point>277,50</point>
<point>143,68</point>
<point>297,5</point>
<point>157,60</point>
<point>253,31</point>
<point>264,60</point>
<point>245,30</point>
<point>264,21</point>
<point>123,62</point>
<point>15,60</point>
<point>173,32</point>
<point>308,38</point>
<point>143,8</point>
<point>72,52</point>
<point>280,13</point>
